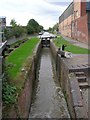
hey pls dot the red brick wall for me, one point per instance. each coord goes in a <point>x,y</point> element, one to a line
<point>89,28</point>
<point>78,27</point>
<point>82,29</point>
<point>89,38</point>
<point>83,8</point>
<point>80,32</point>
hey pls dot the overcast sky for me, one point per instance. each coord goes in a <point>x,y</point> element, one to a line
<point>45,12</point>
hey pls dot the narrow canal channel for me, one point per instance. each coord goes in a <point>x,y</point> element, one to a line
<point>47,100</point>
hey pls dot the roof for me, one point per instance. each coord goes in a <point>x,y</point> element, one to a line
<point>88,6</point>
<point>67,12</point>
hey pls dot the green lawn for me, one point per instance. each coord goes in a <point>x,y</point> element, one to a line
<point>18,57</point>
<point>71,48</point>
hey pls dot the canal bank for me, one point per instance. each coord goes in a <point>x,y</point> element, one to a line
<point>20,109</point>
<point>73,75</point>
<point>47,100</point>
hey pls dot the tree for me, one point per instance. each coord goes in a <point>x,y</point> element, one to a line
<point>30,29</point>
<point>40,28</point>
<point>14,30</point>
<point>8,33</point>
<point>56,27</point>
<point>13,23</point>
<point>18,31</point>
<point>33,27</point>
<point>50,29</point>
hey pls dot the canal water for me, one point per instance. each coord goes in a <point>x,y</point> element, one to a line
<point>47,100</point>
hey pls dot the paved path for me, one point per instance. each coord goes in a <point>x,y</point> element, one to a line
<point>75,42</point>
<point>78,61</point>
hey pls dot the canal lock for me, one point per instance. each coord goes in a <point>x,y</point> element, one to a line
<point>48,100</point>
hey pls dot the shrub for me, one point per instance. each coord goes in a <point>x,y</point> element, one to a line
<point>8,90</point>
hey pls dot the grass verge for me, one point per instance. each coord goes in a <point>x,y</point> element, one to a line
<point>14,78</point>
<point>70,48</point>
<point>19,56</point>
<point>18,59</point>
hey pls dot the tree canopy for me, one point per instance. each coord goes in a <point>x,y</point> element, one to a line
<point>33,27</point>
<point>15,30</point>
<point>55,28</point>
<point>13,23</point>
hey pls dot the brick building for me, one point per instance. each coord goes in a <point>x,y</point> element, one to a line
<point>75,21</point>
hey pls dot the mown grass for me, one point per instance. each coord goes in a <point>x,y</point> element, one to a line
<point>70,47</point>
<point>18,57</point>
<point>15,78</point>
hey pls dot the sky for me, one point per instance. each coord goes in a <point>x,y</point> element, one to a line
<point>45,12</point>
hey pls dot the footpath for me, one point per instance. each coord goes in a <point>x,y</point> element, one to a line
<point>77,43</point>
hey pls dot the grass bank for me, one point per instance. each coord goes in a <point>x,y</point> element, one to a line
<point>18,59</point>
<point>17,68</point>
<point>70,48</point>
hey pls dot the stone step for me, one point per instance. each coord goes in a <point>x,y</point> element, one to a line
<point>79,74</point>
<point>82,79</point>
<point>83,85</point>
